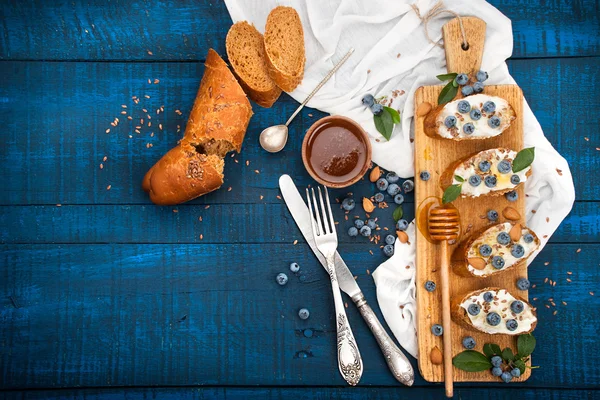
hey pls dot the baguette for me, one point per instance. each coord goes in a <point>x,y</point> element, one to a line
<point>501,302</point>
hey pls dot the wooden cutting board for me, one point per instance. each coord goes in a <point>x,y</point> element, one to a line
<point>434,155</point>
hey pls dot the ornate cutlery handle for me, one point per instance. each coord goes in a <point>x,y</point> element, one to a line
<point>396,360</point>
<point>349,360</point>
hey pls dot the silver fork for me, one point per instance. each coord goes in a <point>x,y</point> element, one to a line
<point>349,360</point>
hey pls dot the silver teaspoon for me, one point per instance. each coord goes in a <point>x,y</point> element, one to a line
<point>274,138</point>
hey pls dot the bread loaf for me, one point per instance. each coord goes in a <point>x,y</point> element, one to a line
<point>246,53</point>
<point>217,125</point>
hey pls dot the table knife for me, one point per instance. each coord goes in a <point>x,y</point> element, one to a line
<point>396,360</point>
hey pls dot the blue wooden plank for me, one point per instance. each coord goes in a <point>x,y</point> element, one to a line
<point>251,223</point>
<point>54,144</point>
<point>184,30</point>
<point>138,315</point>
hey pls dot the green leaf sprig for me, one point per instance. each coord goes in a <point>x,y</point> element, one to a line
<point>453,191</point>
<point>450,90</point>
<point>385,121</point>
<point>398,213</point>
<point>523,159</point>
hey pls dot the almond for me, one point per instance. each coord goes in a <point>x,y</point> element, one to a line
<point>477,263</point>
<point>423,109</point>
<point>515,232</point>
<point>511,214</point>
<point>375,174</point>
<point>368,205</point>
<point>402,236</point>
<point>436,356</point>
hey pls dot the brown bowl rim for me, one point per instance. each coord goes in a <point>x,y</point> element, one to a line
<point>366,140</point>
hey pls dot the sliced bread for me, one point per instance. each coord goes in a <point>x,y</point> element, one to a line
<point>246,51</point>
<point>284,45</point>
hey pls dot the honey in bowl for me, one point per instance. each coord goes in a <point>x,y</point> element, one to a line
<point>336,151</point>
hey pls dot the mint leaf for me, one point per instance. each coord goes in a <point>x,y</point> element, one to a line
<point>487,350</point>
<point>394,113</point>
<point>459,178</point>
<point>447,93</point>
<point>507,355</point>
<point>451,193</point>
<point>384,123</point>
<point>398,213</point>
<point>521,365</point>
<point>523,159</point>
<point>525,345</point>
<point>471,361</point>
<point>496,349</point>
<point>447,77</point>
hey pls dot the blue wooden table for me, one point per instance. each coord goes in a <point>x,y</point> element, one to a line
<point>104,295</point>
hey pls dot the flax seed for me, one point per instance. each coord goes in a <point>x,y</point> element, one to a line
<point>569,273</point>
<point>149,82</point>
<point>568,280</point>
<point>175,210</point>
<point>101,166</point>
<point>591,293</point>
<point>201,236</point>
<point>108,130</point>
<point>160,126</point>
<point>200,218</point>
<point>124,112</point>
<point>279,197</point>
<point>150,53</point>
<point>555,312</point>
<point>295,242</point>
<point>129,118</point>
<point>247,162</point>
<point>229,189</point>
<point>207,207</point>
<point>144,110</point>
<point>262,197</point>
<point>146,96</point>
<point>108,187</point>
<point>257,171</point>
<point>578,250</point>
<point>156,81</point>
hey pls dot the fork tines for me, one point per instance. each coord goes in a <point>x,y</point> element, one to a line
<point>325,226</point>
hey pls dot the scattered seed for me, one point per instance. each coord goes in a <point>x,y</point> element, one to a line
<point>555,312</point>
<point>201,236</point>
<point>175,210</point>
<point>200,218</point>
<point>129,118</point>
<point>156,81</point>
<point>564,303</point>
<point>257,171</point>
<point>101,166</point>
<point>279,197</point>
<point>247,162</point>
<point>578,250</point>
<point>568,280</point>
<point>371,252</point>
<point>123,112</point>
<point>108,187</point>
<point>569,273</point>
<point>547,263</point>
<point>295,242</point>
<point>150,53</point>
<point>229,189</point>
<point>587,139</point>
<point>149,81</point>
<point>591,293</point>
<point>546,280</point>
<point>108,130</point>
<point>207,207</point>
<point>146,96</point>
<point>160,126</point>
<point>59,205</point>
<point>262,197</point>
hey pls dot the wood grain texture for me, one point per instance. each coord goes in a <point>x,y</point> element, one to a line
<point>109,315</point>
<point>463,53</point>
<point>185,29</point>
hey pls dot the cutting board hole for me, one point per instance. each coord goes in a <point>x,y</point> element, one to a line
<point>465,46</point>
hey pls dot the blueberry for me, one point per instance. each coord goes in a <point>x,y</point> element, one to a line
<point>462,79</point>
<point>393,189</point>
<point>467,90</point>
<point>303,313</point>
<point>481,76</point>
<point>517,306</point>
<point>498,262</point>
<point>478,87</point>
<point>488,107</point>
<point>424,175</point>
<point>516,372</point>
<point>430,286</point>
<point>371,223</point>
<point>504,167</point>
<point>490,181</point>
<point>376,109</point>
<point>496,371</point>
<point>492,215</point>
<point>388,250</point>
<point>506,377</point>
<point>503,238</point>
<point>493,319</point>
<point>365,231</point>
<point>294,267</point>
<point>408,186</point>
<point>392,177</point>
<point>468,128</point>
<point>463,107</point>
<point>484,166</point>
<point>515,179</point>
<point>528,238</point>
<point>281,278</point>
<point>359,223</point>
<point>496,361</point>
<point>353,231</point>
<point>511,196</point>
<point>450,121</point>
<point>474,180</point>
<point>437,330</point>
<point>398,199</point>
<point>494,122</point>
<point>382,184</point>
<point>348,204</point>
<point>488,297</point>
<point>368,100</point>
<point>468,342</point>
<point>379,197</point>
<point>517,251</point>
<point>402,225</point>
<point>485,250</point>
<point>523,284</point>
<point>475,114</point>
<point>512,325</point>
<point>474,309</point>
<point>390,239</point>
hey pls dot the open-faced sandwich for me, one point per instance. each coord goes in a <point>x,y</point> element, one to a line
<point>487,172</point>
<point>494,310</point>
<point>497,249</point>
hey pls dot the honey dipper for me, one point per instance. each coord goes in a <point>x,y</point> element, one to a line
<point>443,224</point>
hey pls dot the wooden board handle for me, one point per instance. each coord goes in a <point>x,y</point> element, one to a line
<point>446,321</point>
<point>459,59</point>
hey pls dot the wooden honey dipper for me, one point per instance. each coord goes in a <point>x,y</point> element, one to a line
<point>443,225</point>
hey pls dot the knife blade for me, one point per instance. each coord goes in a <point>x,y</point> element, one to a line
<point>397,362</point>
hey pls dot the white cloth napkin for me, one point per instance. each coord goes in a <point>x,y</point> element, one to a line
<point>393,58</point>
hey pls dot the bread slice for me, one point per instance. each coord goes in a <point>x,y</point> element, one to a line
<point>284,45</point>
<point>500,304</point>
<point>246,52</point>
